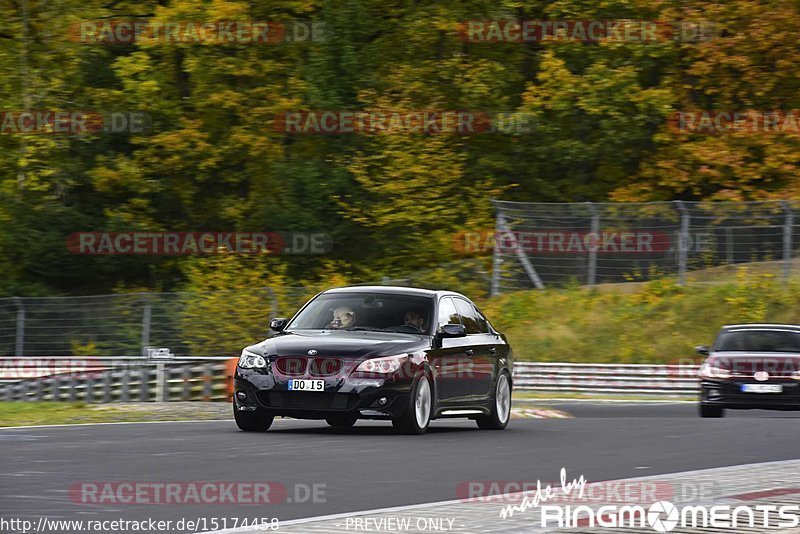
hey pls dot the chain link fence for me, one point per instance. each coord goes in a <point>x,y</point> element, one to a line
<point>188,324</point>
<point>540,244</point>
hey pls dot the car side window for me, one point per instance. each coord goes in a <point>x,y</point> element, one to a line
<point>468,316</point>
<point>483,323</point>
<point>447,313</point>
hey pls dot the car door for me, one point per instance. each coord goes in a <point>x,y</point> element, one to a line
<point>481,349</point>
<point>451,364</point>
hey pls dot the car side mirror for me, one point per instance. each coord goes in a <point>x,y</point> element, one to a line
<point>278,324</point>
<point>453,330</point>
<point>702,349</point>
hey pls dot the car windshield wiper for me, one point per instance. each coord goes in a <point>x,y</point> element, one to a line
<point>364,329</point>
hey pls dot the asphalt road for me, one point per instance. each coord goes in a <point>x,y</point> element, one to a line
<point>369,466</point>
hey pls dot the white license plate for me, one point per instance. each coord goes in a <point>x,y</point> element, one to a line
<point>306,385</point>
<point>762,388</point>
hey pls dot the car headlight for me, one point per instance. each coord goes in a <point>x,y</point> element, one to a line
<point>383,366</point>
<point>250,360</point>
<point>796,375</point>
<point>709,371</point>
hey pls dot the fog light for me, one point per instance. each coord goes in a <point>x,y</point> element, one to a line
<point>241,395</point>
<point>383,401</point>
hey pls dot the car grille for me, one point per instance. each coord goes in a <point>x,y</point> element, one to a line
<point>325,366</point>
<point>298,365</point>
<point>292,366</point>
<point>301,400</point>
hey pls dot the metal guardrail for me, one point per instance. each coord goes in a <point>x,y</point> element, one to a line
<point>135,380</point>
<point>127,380</point>
<point>616,379</point>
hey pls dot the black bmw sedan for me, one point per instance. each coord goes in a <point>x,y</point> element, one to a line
<point>401,354</point>
<point>751,366</point>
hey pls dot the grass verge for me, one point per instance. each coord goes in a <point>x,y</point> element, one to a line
<point>645,322</point>
<point>14,413</point>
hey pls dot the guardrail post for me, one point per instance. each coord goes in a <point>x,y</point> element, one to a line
<point>207,380</point>
<point>683,242</point>
<point>125,384</point>
<point>788,226</point>
<point>161,382</point>
<point>72,391</point>
<point>107,377</point>
<point>39,389</point>
<point>144,378</point>
<point>186,375</point>
<point>591,275</point>
<point>19,347</point>
<point>55,388</point>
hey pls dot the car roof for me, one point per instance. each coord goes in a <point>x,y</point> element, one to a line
<point>395,290</point>
<point>763,326</point>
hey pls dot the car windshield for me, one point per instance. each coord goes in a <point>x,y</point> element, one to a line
<point>366,311</point>
<point>759,341</point>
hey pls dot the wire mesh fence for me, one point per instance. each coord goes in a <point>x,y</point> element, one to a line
<point>188,324</point>
<point>539,244</point>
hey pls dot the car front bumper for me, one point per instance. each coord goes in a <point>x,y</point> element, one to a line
<point>367,398</point>
<point>729,394</point>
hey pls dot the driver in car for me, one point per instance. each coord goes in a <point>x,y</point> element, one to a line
<point>415,319</point>
<point>343,317</point>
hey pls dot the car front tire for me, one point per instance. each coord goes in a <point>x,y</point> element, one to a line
<point>255,421</point>
<point>710,410</point>
<point>417,416</point>
<point>501,407</point>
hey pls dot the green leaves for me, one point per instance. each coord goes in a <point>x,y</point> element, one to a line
<point>595,116</point>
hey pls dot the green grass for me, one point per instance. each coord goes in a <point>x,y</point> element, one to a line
<point>640,322</point>
<point>14,413</point>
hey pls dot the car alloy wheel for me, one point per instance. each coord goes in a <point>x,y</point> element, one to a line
<point>501,407</point>
<point>422,403</point>
<point>417,416</point>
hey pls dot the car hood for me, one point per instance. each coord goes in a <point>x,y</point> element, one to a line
<point>747,363</point>
<point>342,344</point>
